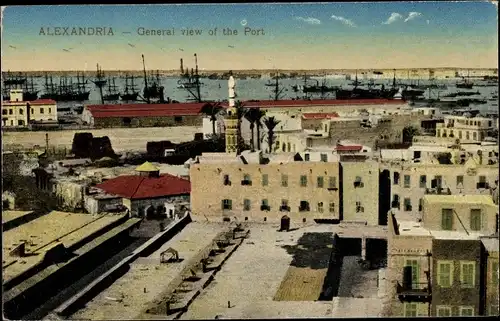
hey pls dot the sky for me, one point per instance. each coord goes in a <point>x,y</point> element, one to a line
<point>279,36</point>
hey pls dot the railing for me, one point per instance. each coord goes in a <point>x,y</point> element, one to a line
<point>438,191</point>
<point>416,292</point>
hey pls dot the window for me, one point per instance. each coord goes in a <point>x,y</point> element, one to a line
<point>20,122</point>
<point>246,205</point>
<point>439,181</point>
<point>320,207</point>
<point>445,273</point>
<point>407,181</point>
<point>438,132</point>
<point>332,182</point>
<point>227,204</point>
<point>423,181</point>
<point>320,181</point>
<point>359,208</point>
<point>4,112</point>
<point>407,204</point>
<point>332,207</point>
<point>467,274</point>
<point>482,179</point>
<point>459,134</point>
<point>21,111</point>
<point>226,180</point>
<point>42,110</point>
<point>284,180</point>
<point>284,206</point>
<point>443,311</point>
<point>466,311</point>
<point>178,119</point>
<point>265,205</point>
<point>50,110</point>
<point>410,309</point>
<point>303,180</point>
<point>304,206</point>
<point>494,273</point>
<point>467,136</point>
<point>246,180</point>
<point>265,179</point>
<point>415,272</point>
<point>474,135</point>
<point>11,112</point>
<point>324,158</point>
<point>307,157</point>
<point>447,219</point>
<point>460,180</point>
<point>420,204</point>
<point>475,219</point>
<point>396,178</point>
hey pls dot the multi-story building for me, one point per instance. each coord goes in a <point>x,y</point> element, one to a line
<point>491,270</point>
<point>253,187</point>
<point>435,267</point>
<point>466,129</point>
<point>19,113</point>
<point>410,180</point>
<point>360,191</point>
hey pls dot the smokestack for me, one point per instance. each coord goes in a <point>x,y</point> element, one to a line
<point>182,67</point>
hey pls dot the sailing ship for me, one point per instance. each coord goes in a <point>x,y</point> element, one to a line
<point>14,80</point>
<point>112,92</point>
<point>131,91</point>
<point>67,90</point>
<point>153,92</point>
<point>465,83</point>
<point>100,81</point>
<point>29,90</point>
<point>19,81</point>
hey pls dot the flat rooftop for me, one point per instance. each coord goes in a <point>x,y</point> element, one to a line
<point>459,199</point>
<point>45,231</point>
<point>147,278</point>
<point>8,216</point>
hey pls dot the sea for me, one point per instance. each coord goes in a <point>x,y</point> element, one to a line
<point>256,89</point>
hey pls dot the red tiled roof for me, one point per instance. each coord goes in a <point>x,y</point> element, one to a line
<point>145,110</point>
<point>140,187</point>
<point>319,115</point>
<point>349,148</point>
<point>32,102</point>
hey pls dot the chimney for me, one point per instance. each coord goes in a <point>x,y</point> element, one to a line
<point>182,67</point>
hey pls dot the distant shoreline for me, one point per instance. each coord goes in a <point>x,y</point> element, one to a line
<point>400,72</point>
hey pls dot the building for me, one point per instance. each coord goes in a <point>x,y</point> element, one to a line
<point>149,193</point>
<point>360,191</point>
<point>18,113</point>
<point>144,115</point>
<point>435,267</point>
<point>257,188</point>
<point>417,173</point>
<point>466,129</point>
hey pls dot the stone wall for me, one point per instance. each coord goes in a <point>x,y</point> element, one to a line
<point>168,121</point>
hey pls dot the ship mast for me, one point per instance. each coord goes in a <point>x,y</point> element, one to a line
<point>145,80</point>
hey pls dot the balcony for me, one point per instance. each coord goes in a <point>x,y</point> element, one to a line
<point>332,188</point>
<point>482,185</point>
<point>284,208</point>
<point>246,182</point>
<point>416,292</point>
<point>438,191</point>
<point>265,208</point>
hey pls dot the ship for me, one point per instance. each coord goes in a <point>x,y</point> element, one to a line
<point>131,92</point>
<point>153,91</point>
<point>465,83</point>
<point>50,88</point>
<point>14,80</point>
<point>112,92</point>
<point>29,90</point>
<point>462,93</point>
<point>100,81</point>
<point>67,90</point>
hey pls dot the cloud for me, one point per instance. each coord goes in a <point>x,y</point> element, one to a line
<point>345,21</point>
<point>393,18</point>
<point>412,15</point>
<point>309,20</point>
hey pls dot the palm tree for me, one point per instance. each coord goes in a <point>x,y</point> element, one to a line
<point>212,110</point>
<point>254,115</point>
<point>270,123</point>
<point>408,133</point>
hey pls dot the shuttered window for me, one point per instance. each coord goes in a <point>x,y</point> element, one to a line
<point>475,219</point>
<point>445,273</point>
<point>467,274</point>
<point>447,219</point>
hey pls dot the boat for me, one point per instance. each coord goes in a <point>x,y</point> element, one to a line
<point>465,83</point>
<point>67,90</point>
<point>14,80</point>
<point>29,90</point>
<point>462,93</point>
<point>153,92</point>
<point>100,81</point>
<point>112,92</point>
<point>131,92</point>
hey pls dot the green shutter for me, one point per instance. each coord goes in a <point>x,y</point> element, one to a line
<point>447,219</point>
<point>475,219</point>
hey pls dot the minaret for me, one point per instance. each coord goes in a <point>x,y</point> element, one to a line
<point>231,120</point>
